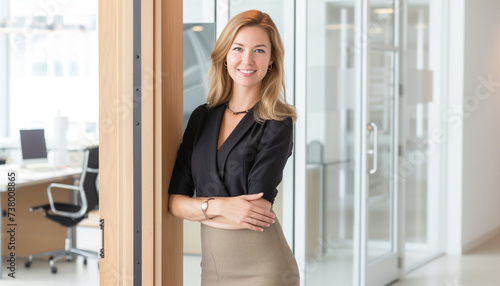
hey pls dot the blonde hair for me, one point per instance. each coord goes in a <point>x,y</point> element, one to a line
<point>272,103</point>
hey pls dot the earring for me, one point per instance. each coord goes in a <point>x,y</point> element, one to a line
<point>270,67</point>
<point>225,65</point>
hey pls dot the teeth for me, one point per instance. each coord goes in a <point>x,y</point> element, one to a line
<point>247,71</point>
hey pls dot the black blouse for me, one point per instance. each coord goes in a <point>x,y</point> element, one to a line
<point>250,161</point>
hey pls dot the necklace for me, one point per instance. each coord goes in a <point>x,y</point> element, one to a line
<point>236,112</point>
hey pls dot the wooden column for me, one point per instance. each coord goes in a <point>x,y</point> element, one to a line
<point>162,74</point>
<point>161,100</point>
<point>115,140</point>
<point>168,111</point>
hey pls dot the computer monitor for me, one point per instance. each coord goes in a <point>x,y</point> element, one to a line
<point>33,147</point>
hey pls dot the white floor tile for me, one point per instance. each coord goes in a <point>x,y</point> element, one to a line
<point>192,270</point>
<point>72,273</point>
<point>481,267</point>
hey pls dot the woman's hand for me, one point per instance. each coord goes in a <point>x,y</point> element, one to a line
<point>245,211</point>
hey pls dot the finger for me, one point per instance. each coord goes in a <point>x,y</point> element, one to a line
<point>252,197</point>
<point>253,227</point>
<point>260,223</point>
<point>263,212</point>
<point>265,219</point>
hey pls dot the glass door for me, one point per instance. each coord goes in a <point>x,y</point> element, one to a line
<point>380,200</point>
<point>381,248</point>
<point>351,144</point>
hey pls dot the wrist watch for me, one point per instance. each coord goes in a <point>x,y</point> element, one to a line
<point>204,207</point>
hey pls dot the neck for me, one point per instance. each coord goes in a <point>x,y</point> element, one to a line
<point>243,98</point>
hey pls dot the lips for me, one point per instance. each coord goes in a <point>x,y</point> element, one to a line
<point>247,73</point>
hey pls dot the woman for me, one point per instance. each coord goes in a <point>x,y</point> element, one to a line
<point>233,153</point>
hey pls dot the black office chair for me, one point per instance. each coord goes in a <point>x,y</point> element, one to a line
<point>69,215</point>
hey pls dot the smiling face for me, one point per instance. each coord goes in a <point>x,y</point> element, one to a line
<point>249,58</point>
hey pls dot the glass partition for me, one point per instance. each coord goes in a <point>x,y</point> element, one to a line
<point>422,176</point>
<point>331,69</point>
<point>198,42</point>
<point>381,22</point>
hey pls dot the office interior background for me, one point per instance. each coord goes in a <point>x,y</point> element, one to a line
<point>395,161</point>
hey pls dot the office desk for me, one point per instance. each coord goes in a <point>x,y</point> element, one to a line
<point>34,232</point>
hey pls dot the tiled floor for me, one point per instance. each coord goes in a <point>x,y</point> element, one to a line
<point>68,273</point>
<point>192,270</point>
<point>481,267</point>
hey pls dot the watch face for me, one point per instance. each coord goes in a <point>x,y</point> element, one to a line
<point>204,206</point>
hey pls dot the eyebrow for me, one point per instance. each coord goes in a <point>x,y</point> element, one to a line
<point>261,45</point>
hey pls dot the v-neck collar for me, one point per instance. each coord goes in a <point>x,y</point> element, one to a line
<point>238,131</point>
<point>234,137</point>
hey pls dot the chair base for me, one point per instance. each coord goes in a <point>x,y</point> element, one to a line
<point>57,255</point>
<point>68,252</point>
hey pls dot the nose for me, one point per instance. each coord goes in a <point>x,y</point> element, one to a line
<point>247,57</point>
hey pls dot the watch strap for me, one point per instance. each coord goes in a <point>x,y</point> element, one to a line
<point>204,210</point>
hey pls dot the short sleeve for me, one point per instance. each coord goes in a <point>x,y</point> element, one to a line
<point>273,151</point>
<point>181,182</point>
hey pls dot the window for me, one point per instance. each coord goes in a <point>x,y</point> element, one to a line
<point>52,69</point>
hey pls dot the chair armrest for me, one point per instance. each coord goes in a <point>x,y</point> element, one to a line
<point>79,213</point>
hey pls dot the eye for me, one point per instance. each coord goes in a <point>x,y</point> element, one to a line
<point>238,49</point>
<point>259,51</point>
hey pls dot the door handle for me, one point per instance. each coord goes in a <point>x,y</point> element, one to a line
<point>101,226</point>
<point>372,127</point>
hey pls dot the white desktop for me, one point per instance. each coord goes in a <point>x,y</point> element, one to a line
<point>34,166</point>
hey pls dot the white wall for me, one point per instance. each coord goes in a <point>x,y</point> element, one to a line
<point>481,129</point>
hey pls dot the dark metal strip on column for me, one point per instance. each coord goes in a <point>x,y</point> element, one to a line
<point>137,143</point>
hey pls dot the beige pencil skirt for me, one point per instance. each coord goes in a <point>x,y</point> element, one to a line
<point>246,257</point>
